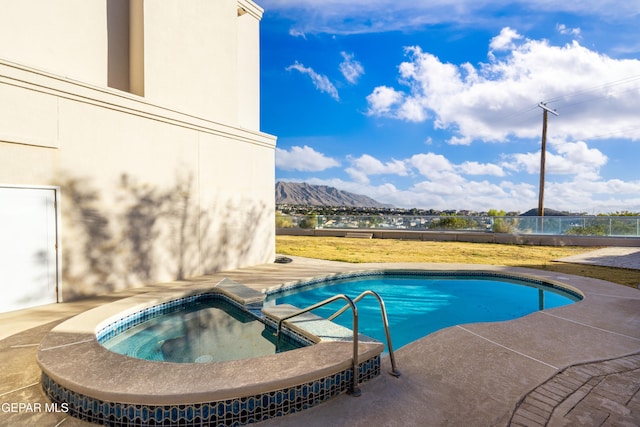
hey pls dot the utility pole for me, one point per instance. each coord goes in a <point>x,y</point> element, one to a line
<point>543,154</point>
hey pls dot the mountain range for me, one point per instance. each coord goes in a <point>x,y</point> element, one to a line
<point>301,193</point>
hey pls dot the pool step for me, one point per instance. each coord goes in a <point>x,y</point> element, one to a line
<point>242,294</point>
<point>314,327</point>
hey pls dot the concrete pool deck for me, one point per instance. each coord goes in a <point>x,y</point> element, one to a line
<point>609,257</point>
<point>578,364</point>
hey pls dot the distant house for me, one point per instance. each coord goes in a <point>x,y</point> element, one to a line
<point>130,145</point>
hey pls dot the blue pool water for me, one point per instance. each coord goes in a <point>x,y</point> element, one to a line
<point>418,305</point>
<point>201,332</point>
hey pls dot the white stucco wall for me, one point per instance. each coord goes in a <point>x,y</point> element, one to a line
<point>65,37</point>
<point>173,184</point>
<point>207,54</point>
<point>200,57</point>
<point>248,65</point>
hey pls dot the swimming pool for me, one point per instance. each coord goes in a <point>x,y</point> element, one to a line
<point>101,386</point>
<point>207,331</point>
<point>419,303</point>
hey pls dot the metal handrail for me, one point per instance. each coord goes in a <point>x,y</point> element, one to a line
<point>355,391</point>
<point>385,322</point>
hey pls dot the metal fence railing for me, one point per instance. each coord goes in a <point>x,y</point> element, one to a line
<point>617,226</point>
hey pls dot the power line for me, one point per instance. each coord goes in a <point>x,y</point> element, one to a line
<point>625,80</point>
<point>521,112</point>
<point>532,107</point>
<point>615,132</point>
<point>591,99</point>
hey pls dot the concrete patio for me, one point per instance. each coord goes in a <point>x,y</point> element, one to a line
<point>578,364</point>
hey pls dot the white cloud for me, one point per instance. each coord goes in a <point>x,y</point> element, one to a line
<point>375,166</point>
<point>435,167</point>
<point>592,196</point>
<point>430,180</point>
<point>475,168</point>
<point>595,95</point>
<point>528,162</point>
<point>383,99</point>
<point>387,193</point>
<point>569,158</point>
<point>303,159</point>
<point>366,165</point>
<point>431,165</point>
<point>293,32</point>
<point>321,82</point>
<point>350,68</point>
<point>577,158</point>
<point>463,194</point>
<point>412,111</point>
<point>564,30</point>
<point>367,16</point>
<point>358,175</point>
<point>505,40</point>
<point>471,194</point>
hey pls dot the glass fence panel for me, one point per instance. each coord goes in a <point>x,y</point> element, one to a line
<point>617,226</point>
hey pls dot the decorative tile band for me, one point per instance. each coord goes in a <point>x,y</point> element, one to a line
<point>227,413</point>
<point>133,319</point>
<point>129,321</point>
<point>232,412</point>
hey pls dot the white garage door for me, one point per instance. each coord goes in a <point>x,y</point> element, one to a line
<point>28,275</point>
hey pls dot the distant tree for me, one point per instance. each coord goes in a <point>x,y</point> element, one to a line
<point>495,212</point>
<point>373,221</point>
<point>283,221</point>
<point>590,230</point>
<point>621,213</point>
<point>309,221</point>
<point>501,225</point>
<point>615,225</point>
<point>620,223</point>
<point>453,222</point>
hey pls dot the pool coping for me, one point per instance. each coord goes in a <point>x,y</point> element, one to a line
<point>71,356</point>
<point>435,388</point>
<point>480,372</point>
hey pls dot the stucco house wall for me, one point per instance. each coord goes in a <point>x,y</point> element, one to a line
<point>144,115</point>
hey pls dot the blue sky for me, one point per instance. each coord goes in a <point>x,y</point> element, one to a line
<point>435,104</point>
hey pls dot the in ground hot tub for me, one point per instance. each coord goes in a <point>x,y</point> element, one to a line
<point>102,386</point>
<point>203,328</point>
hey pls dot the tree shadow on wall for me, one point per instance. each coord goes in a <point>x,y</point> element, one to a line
<point>186,224</point>
<point>90,234</point>
<point>161,229</point>
<point>231,232</point>
<point>147,233</point>
<point>145,207</point>
<point>222,236</point>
